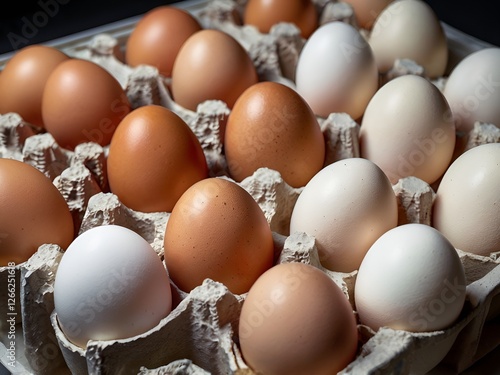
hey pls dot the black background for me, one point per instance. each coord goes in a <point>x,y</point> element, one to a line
<point>477,18</point>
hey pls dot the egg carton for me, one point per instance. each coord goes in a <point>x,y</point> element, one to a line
<point>199,336</point>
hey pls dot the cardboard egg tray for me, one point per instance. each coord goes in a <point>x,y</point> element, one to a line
<point>199,336</point>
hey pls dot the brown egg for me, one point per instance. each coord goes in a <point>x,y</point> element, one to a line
<point>158,36</point>
<point>153,158</point>
<point>367,11</point>
<point>272,126</point>
<point>23,80</point>
<point>264,14</point>
<point>33,212</point>
<point>211,65</point>
<point>217,231</point>
<point>82,102</point>
<point>295,320</point>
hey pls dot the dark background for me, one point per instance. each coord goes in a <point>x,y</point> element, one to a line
<point>64,17</point>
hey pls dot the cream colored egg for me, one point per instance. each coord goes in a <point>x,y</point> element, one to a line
<point>346,206</point>
<point>407,130</point>
<point>409,29</point>
<point>473,89</point>
<point>467,205</point>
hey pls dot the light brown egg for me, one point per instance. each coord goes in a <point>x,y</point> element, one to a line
<point>153,158</point>
<point>33,212</point>
<point>158,36</point>
<point>211,65</point>
<point>23,79</point>
<point>217,231</point>
<point>295,320</point>
<point>272,126</point>
<point>367,11</point>
<point>82,102</point>
<point>264,14</point>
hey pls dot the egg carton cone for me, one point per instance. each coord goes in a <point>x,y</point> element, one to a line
<point>200,335</point>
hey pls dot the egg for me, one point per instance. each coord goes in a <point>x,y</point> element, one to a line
<point>367,11</point>
<point>153,158</point>
<point>272,126</point>
<point>33,212</point>
<point>409,29</point>
<point>82,102</point>
<point>466,207</point>
<point>211,65</point>
<point>336,71</point>
<point>217,231</point>
<point>472,89</point>
<point>264,14</point>
<point>407,130</point>
<point>23,80</point>
<point>346,207</point>
<point>110,285</point>
<point>296,320</point>
<point>410,279</point>
<point>157,37</point>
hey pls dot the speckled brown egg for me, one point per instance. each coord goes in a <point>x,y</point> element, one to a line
<point>153,158</point>
<point>33,212</point>
<point>23,79</point>
<point>211,65</point>
<point>158,36</point>
<point>272,126</point>
<point>217,231</point>
<point>82,102</point>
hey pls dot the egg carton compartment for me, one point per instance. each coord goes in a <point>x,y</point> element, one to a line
<point>199,335</point>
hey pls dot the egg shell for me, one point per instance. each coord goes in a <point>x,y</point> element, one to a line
<point>272,126</point>
<point>336,71</point>
<point>346,206</point>
<point>265,14</point>
<point>279,337</point>
<point>158,148</point>
<point>28,221</point>
<point>211,64</point>
<point>472,89</point>
<point>217,231</point>
<point>82,102</point>
<point>110,284</point>
<point>407,130</point>
<point>410,279</point>
<point>367,11</point>
<point>409,29</point>
<point>158,36</point>
<point>23,80</point>
<point>466,205</point>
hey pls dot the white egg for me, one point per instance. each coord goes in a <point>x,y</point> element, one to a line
<point>467,204</point>
<point>346,206</point>
<point>473,89</point>
<point>411,279</point>
<point>110,284</point>
<point>407,130</point>
<point>409,29</point>
<point>336,71</point>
